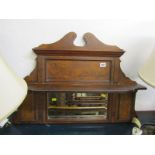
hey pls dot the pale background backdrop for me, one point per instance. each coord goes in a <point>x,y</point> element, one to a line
<point>137,38</point>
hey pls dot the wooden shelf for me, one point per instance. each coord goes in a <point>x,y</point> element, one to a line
<point>97,88</point>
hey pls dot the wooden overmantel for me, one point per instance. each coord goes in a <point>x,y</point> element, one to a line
<point>64,71</point>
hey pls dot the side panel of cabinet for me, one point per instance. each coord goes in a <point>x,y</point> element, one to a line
<point>31,110</point>
<point>122,107</point>
<point>40,100</point>
<point>27,111</point>
<point>125,107</point>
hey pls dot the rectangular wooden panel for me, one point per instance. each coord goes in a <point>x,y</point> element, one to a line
<point>77,70</point>
<point>125,105</point>
<point>27,111</point>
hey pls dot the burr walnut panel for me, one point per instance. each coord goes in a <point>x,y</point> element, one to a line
<point>83,71</point>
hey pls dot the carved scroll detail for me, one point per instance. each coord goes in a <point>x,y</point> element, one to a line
<point>66,43</point>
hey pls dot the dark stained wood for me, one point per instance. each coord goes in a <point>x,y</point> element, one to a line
<point>124,107</point>
<point>86,87</point>
<point>27,111</point>
<point>92,44</point>
<point>64,67</point>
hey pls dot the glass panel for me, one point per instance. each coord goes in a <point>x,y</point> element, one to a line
<point>62,104</point>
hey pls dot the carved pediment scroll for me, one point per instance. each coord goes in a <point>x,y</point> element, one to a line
<point>67,44</point>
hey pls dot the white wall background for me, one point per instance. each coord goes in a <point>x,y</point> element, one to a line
<point>137,38</point>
